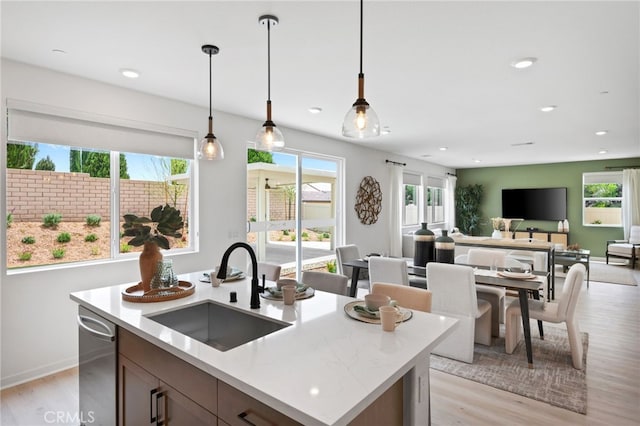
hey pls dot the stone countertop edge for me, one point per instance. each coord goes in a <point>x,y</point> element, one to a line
<point>331,357</point>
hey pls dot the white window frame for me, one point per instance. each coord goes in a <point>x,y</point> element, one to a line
<point>601,177</point>
<point>413,179</point>
<point>435,183</point>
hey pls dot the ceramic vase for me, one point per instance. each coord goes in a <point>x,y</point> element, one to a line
<point>148,264</point>
<point>423,240</point>
<point>497,235</point>
<point>445,249</point>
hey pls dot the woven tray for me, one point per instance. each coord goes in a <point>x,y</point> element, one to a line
<point>135,294</point>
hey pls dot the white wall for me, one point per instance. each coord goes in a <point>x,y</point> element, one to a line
<point>39,334</point>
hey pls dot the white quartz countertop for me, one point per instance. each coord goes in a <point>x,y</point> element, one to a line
<point>323,370</point>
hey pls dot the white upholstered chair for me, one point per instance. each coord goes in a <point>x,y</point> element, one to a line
<point>388,270</point>
<point>326,281</point>
<point>271,271</point>
<point>626,249</point>
<point>346,254</point>
<point>453,290</point>
<point>407,297</point>
<point>561,311</point>
<point>493,295</point>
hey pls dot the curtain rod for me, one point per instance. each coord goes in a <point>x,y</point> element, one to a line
<point>395,162</point>
<point>634,166</point>
<point>451,174</point>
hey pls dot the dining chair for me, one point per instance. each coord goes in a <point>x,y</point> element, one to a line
<point>494,295</point>
<point>388,270</point>
<point>326,281</point>
<point>271,271</point>
<point>346,254</point>
<point>556,312</point>
<point>406,296</point>
<point>453,289</point>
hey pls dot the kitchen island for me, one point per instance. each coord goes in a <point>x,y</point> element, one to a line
<point>324,369</point>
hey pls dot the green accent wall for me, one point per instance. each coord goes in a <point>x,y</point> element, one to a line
<point>494,179</point>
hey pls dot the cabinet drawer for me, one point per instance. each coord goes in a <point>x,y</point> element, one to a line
<point>238,408</point>
<point>187,379</point>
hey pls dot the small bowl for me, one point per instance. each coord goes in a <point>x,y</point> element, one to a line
<point>374,301</point>
<point>285,281</point>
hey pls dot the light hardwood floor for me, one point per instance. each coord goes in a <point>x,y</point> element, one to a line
<point>610,313</point>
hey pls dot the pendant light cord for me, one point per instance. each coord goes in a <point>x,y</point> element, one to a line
<point>269,60</point>
<point>361,24</point>
<point>210,86</point>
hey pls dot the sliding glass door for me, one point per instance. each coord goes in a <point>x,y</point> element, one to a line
<point>294,209</point>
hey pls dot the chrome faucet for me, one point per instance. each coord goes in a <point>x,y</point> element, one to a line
<point>222,273</point>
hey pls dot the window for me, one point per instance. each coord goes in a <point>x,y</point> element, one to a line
<point>67,192</point>
<point>602,199</point>
<point>434,210</point>
<point>412,192</point>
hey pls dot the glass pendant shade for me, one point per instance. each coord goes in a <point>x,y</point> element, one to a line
<point>361,121</point>
<point>209,148</point>
<point>269,138</point>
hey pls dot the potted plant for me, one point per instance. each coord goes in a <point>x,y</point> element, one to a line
<point>467,200</point>
<point>165,221</point>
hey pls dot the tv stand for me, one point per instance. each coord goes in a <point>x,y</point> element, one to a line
<point>548,236</point>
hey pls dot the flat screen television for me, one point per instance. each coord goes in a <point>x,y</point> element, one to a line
<point>535,203</point>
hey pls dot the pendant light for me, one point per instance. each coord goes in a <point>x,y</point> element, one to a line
<point>361,121</point>
<point>269,137</point>
<point>210,148</point>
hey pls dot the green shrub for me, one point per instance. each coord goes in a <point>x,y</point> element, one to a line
<point>24,256</point>
<point>125,248</point>
<point>331,266</point>
<point>320,238</point>
<point>305,235</point>
<point>93,220</point>
<point>9,219</point>
<point>51,220</point>
<point>91,238</point>
<point>29,240</point>
<point>64,237</point>
<point>293,237</point>
<point>285,232</point>
<point>326,235</point>
<point>58,253</point>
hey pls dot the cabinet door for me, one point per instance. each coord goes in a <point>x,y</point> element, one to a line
<point>176,409</point>
<point>541,236</point>
<point>521,234</point>
<point>137,404</point>
<point>238,409</point>
<point>560,239</point>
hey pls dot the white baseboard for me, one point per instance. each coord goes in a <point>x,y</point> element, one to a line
<point>36,373</point>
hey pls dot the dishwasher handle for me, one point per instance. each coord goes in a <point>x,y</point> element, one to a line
<point>108,336</point>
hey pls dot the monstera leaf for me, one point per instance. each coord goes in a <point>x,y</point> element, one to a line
<point>165,221</point>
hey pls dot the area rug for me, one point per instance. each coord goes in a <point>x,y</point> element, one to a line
<point>613,274</point>
<point>552,380</point>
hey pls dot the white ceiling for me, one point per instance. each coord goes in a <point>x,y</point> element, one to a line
<point>437,73</point>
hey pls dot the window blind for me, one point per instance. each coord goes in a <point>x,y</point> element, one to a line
<point>411,179</point>
<point>29,122</point>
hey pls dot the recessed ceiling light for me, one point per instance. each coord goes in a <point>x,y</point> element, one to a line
<point>385,130</point>
<point>58,51</point>
<point>129,73</point>
<point>548,108</point>
<point>315,110</point>
<point>523,63</point>
<point>476,161</point>
<point>602,132</point>
<point>443,148</point>
<point>602,151</point>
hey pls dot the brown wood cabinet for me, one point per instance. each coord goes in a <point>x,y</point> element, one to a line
<point>548,236</point>
<point>158,388</point>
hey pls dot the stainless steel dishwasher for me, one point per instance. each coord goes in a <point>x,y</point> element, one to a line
<point>98,369</point>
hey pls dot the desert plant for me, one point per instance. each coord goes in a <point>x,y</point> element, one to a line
<point>9,219</point>
<point>168,223</point>
<point>305,234</point>
<point>95,251</point>
<point>326,235</point>
<point>58,253</point>
<point>24,256</point>
<point>51,220</point>
<point>91,238</point>
<point>125,248</point>
<point>93,220</point>
<point>285,232</point>
<point>64,237</point>
<point>293,237</point>
<point>331,266</point>
<point>28,240</point>
<point>320,237</point>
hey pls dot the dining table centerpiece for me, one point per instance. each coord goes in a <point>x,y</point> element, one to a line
<point>164,221</point>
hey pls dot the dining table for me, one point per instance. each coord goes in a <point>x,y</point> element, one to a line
<point>486,276</point>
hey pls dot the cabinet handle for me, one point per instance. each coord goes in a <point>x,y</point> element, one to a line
<point>152,417</point>
<point>243,416</point>
<point>159,422</point>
